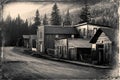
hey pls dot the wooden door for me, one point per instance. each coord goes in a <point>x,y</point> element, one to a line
<point>101,53</point>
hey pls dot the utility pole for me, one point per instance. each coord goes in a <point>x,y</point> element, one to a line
<point>2,3</point>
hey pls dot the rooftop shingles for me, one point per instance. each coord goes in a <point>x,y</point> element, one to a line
<point>60,30</point>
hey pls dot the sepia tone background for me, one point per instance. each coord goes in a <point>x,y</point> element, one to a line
<point>102,12</point>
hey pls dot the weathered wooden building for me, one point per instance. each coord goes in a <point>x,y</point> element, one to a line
<point>102,46</point>
<point>29,41</point>
<point>84,42</point>
<point>26,41</point>
<point>46,36</point>
<point>74,49</point>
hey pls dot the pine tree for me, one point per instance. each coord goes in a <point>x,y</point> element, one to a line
<point>85,14</point>
<point>55,15</point>
<point>37,19</point>
<point>18,20</point>
<point>45,21</point>
<point>8,19</point>
<point>67,20</point>
<point>26,29</point>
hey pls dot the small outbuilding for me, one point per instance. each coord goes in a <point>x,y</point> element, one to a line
<point>102,46</point>
<point>26,40</point>
<point>30,41</point>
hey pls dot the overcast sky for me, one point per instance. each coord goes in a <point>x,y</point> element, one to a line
<point>27,10</point>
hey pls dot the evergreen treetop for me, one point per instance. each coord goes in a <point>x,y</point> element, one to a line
<point>55,15</point>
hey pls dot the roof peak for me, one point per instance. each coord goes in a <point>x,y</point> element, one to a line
<point>86,23</point>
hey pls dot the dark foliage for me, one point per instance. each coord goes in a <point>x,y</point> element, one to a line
<point>85,13</point>
<point>14,29</point>
<point>67,20</point>
<point>55,15</point>
<point>37,19</point>
<point>45,20</point>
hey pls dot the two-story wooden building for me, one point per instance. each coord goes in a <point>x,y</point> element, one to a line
<point>46,36</point>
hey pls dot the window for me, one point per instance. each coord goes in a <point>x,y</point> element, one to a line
<point>94,30</point>
<point>40,34</point>
<point>34,43</point>
<point>41,47</point>
<point>84,32</point>
<point>80,31</point>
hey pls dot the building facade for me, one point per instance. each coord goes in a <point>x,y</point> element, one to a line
<point>84,42</point>
<point>73,49</point>
<point>46,36</point>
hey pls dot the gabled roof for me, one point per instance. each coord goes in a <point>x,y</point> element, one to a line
<point>60,30</point>
<point>109,32</point>
<point>85,23</point>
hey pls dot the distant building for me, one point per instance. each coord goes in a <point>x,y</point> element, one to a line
<point>102,46</point>
<point>29,41</point>
<point>46,36</point>
<point>26,40</point>
<point>73,48</point>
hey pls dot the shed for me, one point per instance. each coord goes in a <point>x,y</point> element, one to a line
<point>102,45</point>
<point>26,40</point>
<point>29,41</point>
<point>73,48</point>
<point>79,49</point>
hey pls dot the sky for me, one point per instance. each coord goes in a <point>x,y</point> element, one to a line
<point>27,9</point>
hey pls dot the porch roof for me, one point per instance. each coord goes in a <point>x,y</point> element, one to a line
<point>79,43</point>
<point>26,36</point>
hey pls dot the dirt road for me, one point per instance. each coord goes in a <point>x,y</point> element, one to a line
<point>19,66</point>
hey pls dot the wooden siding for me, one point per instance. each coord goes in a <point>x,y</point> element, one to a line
<point>103,39</point>
<point>40,39</point>
<point>87,31</point>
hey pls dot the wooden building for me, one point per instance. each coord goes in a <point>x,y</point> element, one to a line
<point>87,30</point>
<point>46,36</point>
<point>74,49</point>
<point>102,46</point>
<point>29,41</point>
<point>26,41</point>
